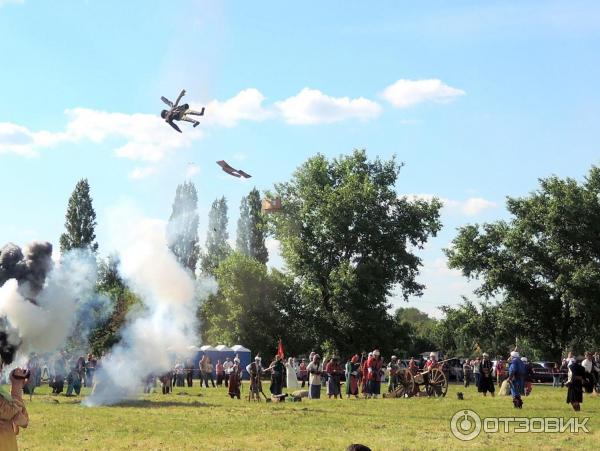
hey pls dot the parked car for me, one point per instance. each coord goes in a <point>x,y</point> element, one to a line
<point>541,373</point>
<point>550,367</point>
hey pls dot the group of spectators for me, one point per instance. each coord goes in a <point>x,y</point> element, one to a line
<point>183,374</point>
<point>76,371</point>
<point>362,375</point>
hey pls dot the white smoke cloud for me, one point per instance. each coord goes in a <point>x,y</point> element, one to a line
<point>67,295</point>
<point>166,327</point>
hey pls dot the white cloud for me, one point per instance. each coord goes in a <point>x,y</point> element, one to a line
<point>472,206</point>
<point>476,205</point>
<point>143,172</point>
<point>405,93</point>
<point>144,137</point>
<point>246,105</point>
<point>16,139</point>
<point>443,286</point>
<point>311,106</point>
<point>8,2</point>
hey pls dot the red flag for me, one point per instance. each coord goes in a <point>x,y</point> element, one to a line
<point>280,349</point>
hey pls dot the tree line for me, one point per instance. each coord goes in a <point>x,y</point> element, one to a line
<point>348,239</point>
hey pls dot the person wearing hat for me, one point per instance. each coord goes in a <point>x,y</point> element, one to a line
<point>432,362</point>
<point>516,373</point>
<point>255,370</point>
<point>315,371</point>
<point>393,369</point>
<point>374,364</point>
<point>486,381</point>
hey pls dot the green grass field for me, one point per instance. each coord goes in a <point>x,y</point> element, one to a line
<point>207,419</point>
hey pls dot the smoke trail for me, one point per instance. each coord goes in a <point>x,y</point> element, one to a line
<point>166,327</point>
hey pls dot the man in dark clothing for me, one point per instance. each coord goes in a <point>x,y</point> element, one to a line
<point>179,112</point>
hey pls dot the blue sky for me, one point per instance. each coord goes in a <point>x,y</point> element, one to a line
<point>479,99</point>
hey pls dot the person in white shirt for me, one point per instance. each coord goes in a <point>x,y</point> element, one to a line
<point>315,370</point>
<point>227,368</point>
<point>588,362</point>
<point>588,365</point>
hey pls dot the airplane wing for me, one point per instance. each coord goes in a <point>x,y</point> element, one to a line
<point>167,101</point>
<point>228,168</point>
<point>224,165</point>
<point>243,174</point>
<point>174,125</point>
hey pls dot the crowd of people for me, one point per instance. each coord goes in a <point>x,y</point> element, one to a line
<point>362,375</point>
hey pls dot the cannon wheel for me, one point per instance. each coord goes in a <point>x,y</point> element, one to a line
<point>406,384</point>
<point>437,384</point>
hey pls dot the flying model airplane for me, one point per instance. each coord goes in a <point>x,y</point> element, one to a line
<point>231,171</point>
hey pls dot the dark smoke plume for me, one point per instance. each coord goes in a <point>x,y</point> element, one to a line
<point>29,267</point>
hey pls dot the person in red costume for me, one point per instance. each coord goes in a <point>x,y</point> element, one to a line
<point>374,364</point>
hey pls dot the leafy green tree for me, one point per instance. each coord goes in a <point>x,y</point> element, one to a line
<point>468,329</point>
<point>349,239</point>
<point>414,332</point>
<point>110,284</point>
<point>251,228</point>
<point>242,242</point>
<point>544,262</point>
<point>256,225</point>
<point>217,247</point>
<point>182,230</point>
<point>246,309</point>
<point>80,220</point>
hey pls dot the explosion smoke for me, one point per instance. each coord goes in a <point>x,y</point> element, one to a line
<point>39,302</point>
<point>28,270</point>
<point>165,328</point>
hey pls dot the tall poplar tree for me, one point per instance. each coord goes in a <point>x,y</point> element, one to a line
<point>80,220</point>
<point>258,249</point>
<point>217,247</point>
<point>182,230</point>
<point>242,242</point>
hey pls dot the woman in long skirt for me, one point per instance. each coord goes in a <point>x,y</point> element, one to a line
<point>291,379</point>
<point>575,385</point>
<point>334,372</point>
<point>352,367</point>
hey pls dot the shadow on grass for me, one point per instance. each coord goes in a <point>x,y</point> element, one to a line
<point>148,403</point>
